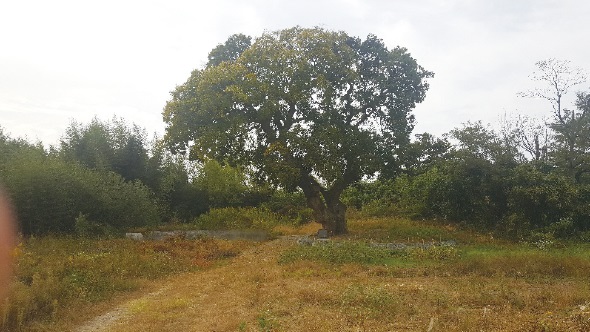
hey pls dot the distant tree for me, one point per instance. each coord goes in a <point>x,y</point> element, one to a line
<point>570,125</point>
<point>305,108</point>
<point>557,78</point>
<point>475,140</point>
<point>108,146</point>
<point>421,154</point>
<point>50,193</point>
<point>532,136</point>
<point>12,147</point>
<point>171,179</point>
<point>223,184</point>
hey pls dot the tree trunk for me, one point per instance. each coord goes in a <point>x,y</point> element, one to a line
<point>326,205</point>
<point>537,148</point>
<point>335,220</point>
<point>315,202</point>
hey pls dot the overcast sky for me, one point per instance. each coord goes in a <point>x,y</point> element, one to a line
<point>62,60</point>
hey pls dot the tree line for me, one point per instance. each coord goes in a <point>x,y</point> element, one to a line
<point>527,178</point>
<point>315,120</point>
<point>105,176</point>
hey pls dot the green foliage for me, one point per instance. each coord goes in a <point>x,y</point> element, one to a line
<point>305,108</point>
<point>49,194</point>
<point>88,228</point>
<point>423,196</point>
<point>418,156</point>
<point>373,199</point>
<point>539,201</point>
<point>465,190</point>
<point>512,201</point>
<point>230,50</point>
<point>108,146</point>
<point>571,148</point>
<point>480,142</point>
<point>289,205</point>
<point>363,193</point>
<point>179,199</point>
<point>224,185</point>
<point>484,183</point>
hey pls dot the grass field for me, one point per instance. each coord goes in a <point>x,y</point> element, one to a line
<point>350,284</point>
<point>58,276</point>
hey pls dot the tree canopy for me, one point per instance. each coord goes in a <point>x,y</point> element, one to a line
<point>306,108</point>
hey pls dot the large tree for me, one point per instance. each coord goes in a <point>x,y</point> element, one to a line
<point>304,108</point>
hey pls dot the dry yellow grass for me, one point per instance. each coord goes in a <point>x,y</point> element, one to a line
<point>61,282</point>
<point>306,229</point>
<point>253,292</point>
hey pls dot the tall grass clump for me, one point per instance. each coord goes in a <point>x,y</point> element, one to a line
<point>238,218</point>
<point>401,230</point>
<point>339,253</point>
<point>355,252</point>
<point>524,261</point>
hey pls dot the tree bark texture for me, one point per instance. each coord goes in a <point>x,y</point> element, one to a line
<point>326,205</point>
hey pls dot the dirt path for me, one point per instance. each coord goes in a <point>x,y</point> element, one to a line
<point>107,320</point>
<point>219,299</point>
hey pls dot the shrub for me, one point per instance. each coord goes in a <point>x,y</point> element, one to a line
<point>224,185</point>
<point>363,193</point>
<point>542,199</point>
<point>292,206</point>
<point>89,228</point>
<point>49,194</point>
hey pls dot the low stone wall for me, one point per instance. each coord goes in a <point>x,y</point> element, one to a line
<point>251,235</point>
<point>314,241</point>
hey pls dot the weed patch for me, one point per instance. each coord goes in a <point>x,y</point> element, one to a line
<point>339,253</point>
<point>407,231</point>
<point>238,218</point>
<point>355,252</point>
<point>521,261</point>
